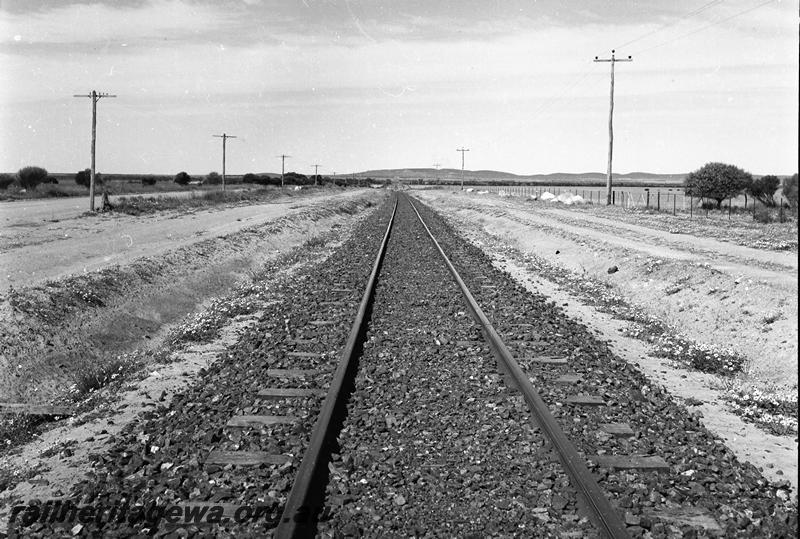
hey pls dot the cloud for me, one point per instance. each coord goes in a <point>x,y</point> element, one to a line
<point>76,24</point>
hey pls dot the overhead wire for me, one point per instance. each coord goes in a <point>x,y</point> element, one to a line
<point>692,13</point>
<point>571,85</point>
<point>709,25</point>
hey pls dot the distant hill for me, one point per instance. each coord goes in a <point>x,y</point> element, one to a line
<point>494,176</point>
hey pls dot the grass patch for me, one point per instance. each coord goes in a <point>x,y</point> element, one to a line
<point>99,375</point>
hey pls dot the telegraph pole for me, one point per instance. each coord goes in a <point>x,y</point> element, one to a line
<point>224,138</point>
<point>316,173</point>
<point>96,96</point>
<point>613,60</point>
<point>283,161</point>
<point>462,150</point>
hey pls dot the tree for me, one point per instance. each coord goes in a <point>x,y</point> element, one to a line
<point>6,180</point>
<point>30,177</point>
<point>250,178</point>
<point>213,178</point>
<point>764,189</point>
<point>790,191</point>
<point>716,181</point>
<point>84,178</point>
<point>182,178</point>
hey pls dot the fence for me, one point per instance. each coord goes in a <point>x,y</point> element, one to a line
<point>669,200</point>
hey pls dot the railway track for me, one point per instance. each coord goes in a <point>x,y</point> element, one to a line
<point>428,416</point>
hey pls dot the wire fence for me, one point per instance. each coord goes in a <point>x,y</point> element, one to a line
<point>670,200</point>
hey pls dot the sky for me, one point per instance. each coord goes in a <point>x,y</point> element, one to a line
<point>357,85</point>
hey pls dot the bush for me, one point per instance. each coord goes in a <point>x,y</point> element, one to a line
<point>30,177</point>
<point>250,178</point>
<point>764,189</point>
<point>708,205</point>
<point>763,215</point>
<point>716,181</point>
<point>296,178</point>
<point>148,180</point>
<point>6,180</point>
<point>182,178</point>
<point>790,191</point>
<point>84,178</point>
<point>213,178</point>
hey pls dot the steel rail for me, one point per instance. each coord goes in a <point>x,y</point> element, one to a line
<point>299,514</point>
<point>603,514</point>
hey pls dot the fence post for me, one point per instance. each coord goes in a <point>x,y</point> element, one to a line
<point>691,205</point>
<point>613,198</point>
<point>658,200</point>
<point>674,196</point>
<point>647,202</point>
<point>730,203</point>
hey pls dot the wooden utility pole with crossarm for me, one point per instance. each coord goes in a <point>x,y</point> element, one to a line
<point>224,138</point>
<point>613,60</point>
<point>462,150</point>
<point>283,161</point>
<point>316,173</point>
<point>96,96</point>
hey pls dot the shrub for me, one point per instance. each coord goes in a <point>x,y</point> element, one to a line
<point>213,178</point>
<point>250,178</point>
<point>716,181</point>
<point>182,178</point>
<point>148,180</point>
<point>6,180</point>
<point>84,178</point>
<point>763,215</point>
<point>30,177</point>
<point>790,191</point>
<point>764,189</point>
<point>296,178</point>
<point>708,205</point>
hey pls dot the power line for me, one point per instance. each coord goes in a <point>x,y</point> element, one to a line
<point>462,150</point>
<point>224,138</point>
<point>566,89</point>
<point>692,13</point>
<point>613,60</point>
<point>709,25</point>
<point>95,96</point>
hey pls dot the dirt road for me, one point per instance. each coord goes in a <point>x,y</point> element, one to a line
<point>22,211</point>
<point>716,293</point>
<point>35,247</point>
